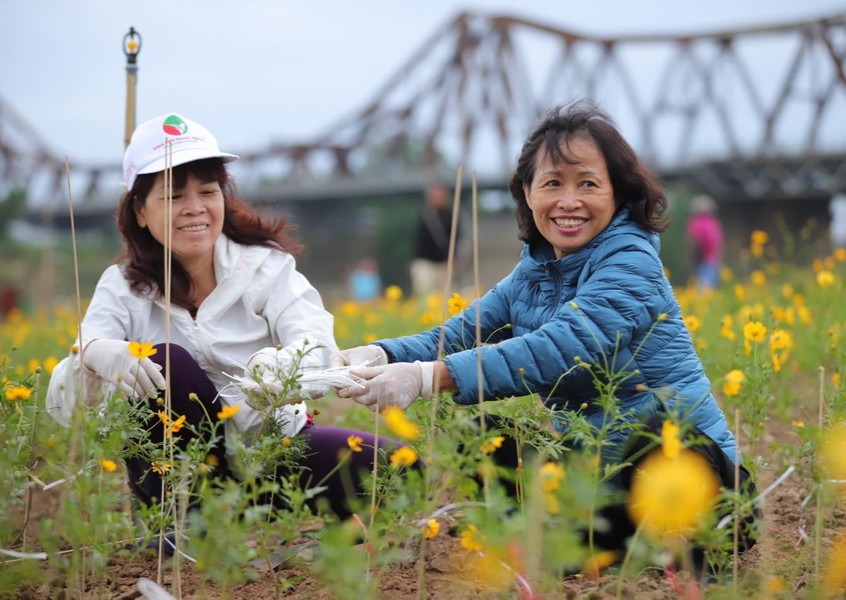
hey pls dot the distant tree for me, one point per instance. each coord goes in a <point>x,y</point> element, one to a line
<point>12,207</point>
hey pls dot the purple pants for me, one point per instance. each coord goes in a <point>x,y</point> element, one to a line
<point>321,455</point>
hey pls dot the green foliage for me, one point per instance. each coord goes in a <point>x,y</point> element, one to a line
<point>233,528</point>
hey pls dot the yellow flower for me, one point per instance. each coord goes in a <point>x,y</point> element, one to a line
<point>286,442</point>
<point>456,304</point>
<point>108,465</point>
<point>834,574</point>
<point>835,379</point>
<point>670,441</point>
<point>727,327</point>
<point>403,457</point>
<point>489,446</point>
<point>393,293</point>
<point>817,265</point>
<point>431,528</point>
<point>18,392</point>
<point>50,363</point>
<point>781,340</point>
<point>797,423</point>
<point>757,250</point>
<point>840,254</point>
<point>754,331</point>
<point>672,496</point>
<point>758,278</point>
<point>140,351</point>
<point>472,539</point>
<point>227,412</point>
<point>733,382</point>
<point>739,292</point>
<point>760,238</point>
<point>398,423</point>
<point>212,460</point>
<point>693,323</point>
<point>774,586</point>
<point>175,426</point>
<point>160,467</point>
<point>164,418</point>
<point>777,361</point>
<point>787,290</point>
<point>551,475</point>
<point>349,308</point>
<point>597,563</point>
<point>354,442</point>
<point>832,451</point>
<point>825,278</point>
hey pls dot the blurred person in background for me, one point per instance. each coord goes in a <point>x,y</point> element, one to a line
<point>589,290</point>
<point>364,281</point>
<point>837,209</point>
<point>705,237</point>
<point>428,269</point>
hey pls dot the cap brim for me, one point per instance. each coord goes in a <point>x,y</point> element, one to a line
<point>180,157</point>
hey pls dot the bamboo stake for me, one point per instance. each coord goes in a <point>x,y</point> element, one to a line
<point>819,520</point>
<point>736,532</point>
<point>479,374</point>
<point>453,235</point>
<point>78,414</point>
<point>373,490</point>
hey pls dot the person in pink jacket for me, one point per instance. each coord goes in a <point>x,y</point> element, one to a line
<point>705,235</point>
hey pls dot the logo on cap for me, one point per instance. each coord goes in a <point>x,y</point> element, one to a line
<point>173,125</point>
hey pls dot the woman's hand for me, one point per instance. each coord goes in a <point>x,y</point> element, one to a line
<point>371,356</point>
<point>111,361</point>
<point>396,384</point>
<point>270,364</point>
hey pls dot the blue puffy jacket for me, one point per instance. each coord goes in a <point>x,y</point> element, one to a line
<point>601,306</point>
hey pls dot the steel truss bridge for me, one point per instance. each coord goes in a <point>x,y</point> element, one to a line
<point>752,113</point>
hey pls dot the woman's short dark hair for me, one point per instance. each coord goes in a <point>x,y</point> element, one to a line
<point>635,186</point>
<point>143,256</point>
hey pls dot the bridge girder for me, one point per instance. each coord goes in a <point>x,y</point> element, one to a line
<point>469,95</point>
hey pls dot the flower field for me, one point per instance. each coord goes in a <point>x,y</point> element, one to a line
<point>771,338</point>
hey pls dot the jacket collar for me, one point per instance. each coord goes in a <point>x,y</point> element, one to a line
<point>542,253</point>
<point>231,257</point>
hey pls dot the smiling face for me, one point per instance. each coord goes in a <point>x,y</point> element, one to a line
<point>196,223</point>
<point>571,202</point>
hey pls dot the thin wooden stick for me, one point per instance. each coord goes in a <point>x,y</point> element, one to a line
<point>453,235</point>
<point>819,521</point>
<point>736,557</point>
<point>375,485</point>
<point>433,416</point>
<point>476,287</point>
<point>79,412</point>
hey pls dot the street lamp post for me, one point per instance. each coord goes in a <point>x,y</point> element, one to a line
<point>131,48</point>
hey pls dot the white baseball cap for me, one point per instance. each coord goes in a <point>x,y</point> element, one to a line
<point>188,141</point>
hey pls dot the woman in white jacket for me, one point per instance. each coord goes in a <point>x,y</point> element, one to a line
<point>238,306</point>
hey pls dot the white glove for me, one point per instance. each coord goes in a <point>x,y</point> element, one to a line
<point>396,384</point>
<point>271,364</point>
<point>371,356</point>
<point>110,360</point>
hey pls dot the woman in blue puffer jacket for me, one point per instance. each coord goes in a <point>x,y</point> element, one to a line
<point>589,289</point>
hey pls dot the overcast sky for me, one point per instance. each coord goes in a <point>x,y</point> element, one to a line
<point>255,71</point>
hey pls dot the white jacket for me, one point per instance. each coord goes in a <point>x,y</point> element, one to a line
<point>260,301</point>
